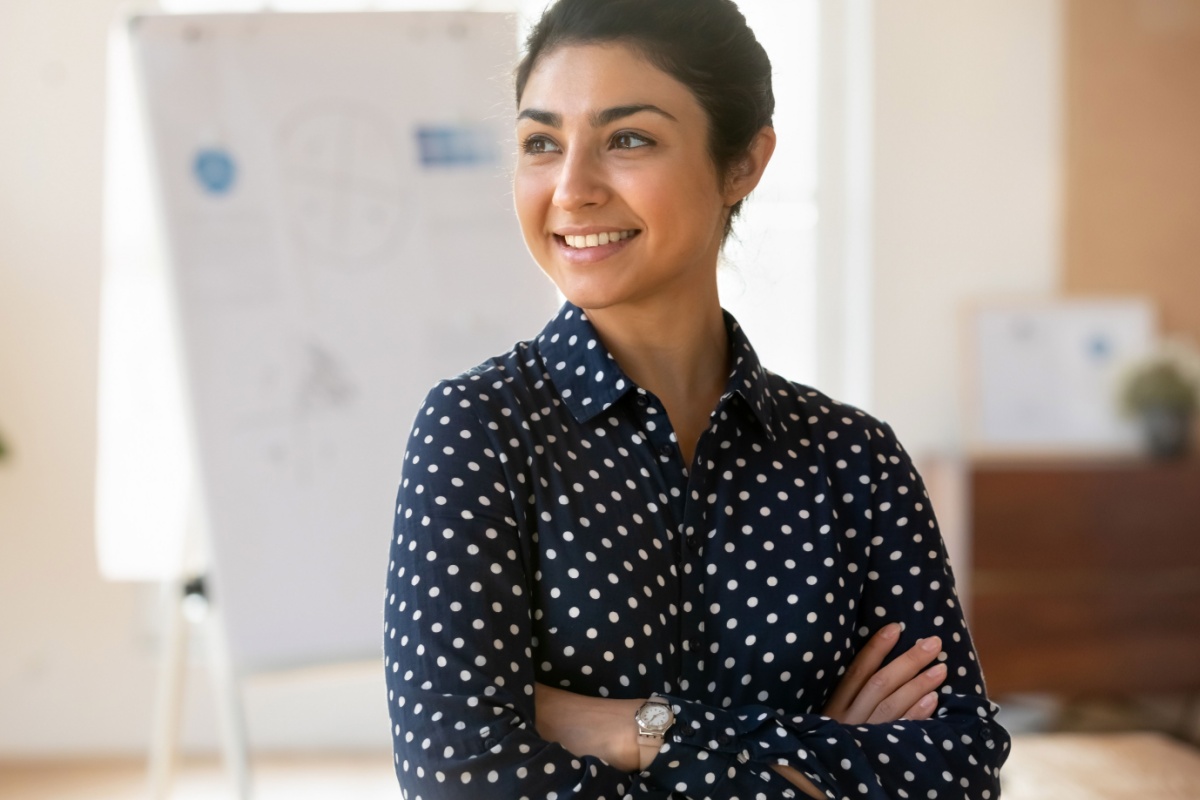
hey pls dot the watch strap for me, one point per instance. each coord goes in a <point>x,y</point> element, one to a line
<point>648,749</point>
<point>650,740</point>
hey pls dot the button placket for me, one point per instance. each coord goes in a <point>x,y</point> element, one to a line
<point>655,432</point>
<point>692,556</point>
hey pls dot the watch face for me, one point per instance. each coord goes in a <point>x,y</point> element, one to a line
<point>655,716</point>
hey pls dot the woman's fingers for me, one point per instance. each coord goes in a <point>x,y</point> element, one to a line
<point>864,665</point>
<point>913,696</point>
<point>886,681</point>
<point>902,689</point>
<point>923,708</point>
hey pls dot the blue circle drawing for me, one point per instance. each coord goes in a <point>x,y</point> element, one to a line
<point>215,170</point>
<point>1100,347</point>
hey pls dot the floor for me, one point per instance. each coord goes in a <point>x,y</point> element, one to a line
<point>276,778</point>
<point>1060,766</point>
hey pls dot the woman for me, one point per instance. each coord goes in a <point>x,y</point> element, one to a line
<point>628,559</point>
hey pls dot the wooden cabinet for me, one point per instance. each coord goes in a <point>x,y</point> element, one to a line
<point>1086,575</point>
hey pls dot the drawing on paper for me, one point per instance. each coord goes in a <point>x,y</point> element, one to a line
<point>343,183</point>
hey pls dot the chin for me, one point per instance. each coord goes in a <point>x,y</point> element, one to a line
<point>594,298</point>
<point>589,297</point>
<point>603,291</point>
<point>588,301</point>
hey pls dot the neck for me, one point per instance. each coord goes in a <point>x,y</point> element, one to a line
<point>679,351</point>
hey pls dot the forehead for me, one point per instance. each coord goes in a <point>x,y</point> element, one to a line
<point>577,79</point>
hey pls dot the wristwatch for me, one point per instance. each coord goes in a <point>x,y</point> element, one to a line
<point>654,719</point>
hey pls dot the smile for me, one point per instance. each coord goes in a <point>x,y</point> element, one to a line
<point>597,239</point>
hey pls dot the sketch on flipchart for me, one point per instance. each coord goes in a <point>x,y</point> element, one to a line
<point>295,436</point>
<point>341,176</point>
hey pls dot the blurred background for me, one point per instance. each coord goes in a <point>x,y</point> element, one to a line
<point>983,226</point>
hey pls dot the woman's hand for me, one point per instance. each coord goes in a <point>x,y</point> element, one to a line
<point>904,689</point>
<point>589,726</point>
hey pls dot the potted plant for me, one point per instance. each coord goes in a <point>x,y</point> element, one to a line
<point>1161,392</point>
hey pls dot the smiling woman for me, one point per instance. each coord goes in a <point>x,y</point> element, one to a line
<point>628,559</point>
<point>610,144</point>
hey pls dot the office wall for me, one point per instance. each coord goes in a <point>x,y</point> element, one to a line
<point>967,190</point>
<point>70,668</point>
<point>1133,154</point>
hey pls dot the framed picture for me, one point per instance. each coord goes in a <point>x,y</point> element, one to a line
<point>1043,375</point>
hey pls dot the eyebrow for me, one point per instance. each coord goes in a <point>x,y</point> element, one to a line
<point>598,118</point>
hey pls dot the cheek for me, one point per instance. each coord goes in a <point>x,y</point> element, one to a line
<point>675,199</point>
<point>528,199</point>
<point>685,179</point>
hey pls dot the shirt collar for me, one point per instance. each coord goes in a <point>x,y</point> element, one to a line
<point>748,377</point>
<point>590,381</point>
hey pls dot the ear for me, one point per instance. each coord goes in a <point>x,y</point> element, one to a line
<point>745,174</point>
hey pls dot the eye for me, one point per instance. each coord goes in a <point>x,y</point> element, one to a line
<point>538,144</point>
<point>626,140</point>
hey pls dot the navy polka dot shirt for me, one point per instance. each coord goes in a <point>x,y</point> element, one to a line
<point>547,529</point>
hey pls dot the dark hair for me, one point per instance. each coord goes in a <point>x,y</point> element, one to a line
<point>704,44</point>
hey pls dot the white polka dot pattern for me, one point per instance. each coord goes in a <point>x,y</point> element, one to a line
<point>548,530</point>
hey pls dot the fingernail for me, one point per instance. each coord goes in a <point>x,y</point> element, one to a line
<point>936,671</point>
<point>890,631</point>
<point>931,644</point>
<point>928,700</point>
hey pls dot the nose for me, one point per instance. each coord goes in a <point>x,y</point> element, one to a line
<point>581,181</point>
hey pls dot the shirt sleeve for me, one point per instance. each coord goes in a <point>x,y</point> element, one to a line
<point>956,754</point>
<point>457,628</point>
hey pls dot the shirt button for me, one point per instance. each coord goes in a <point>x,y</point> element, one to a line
<point>723,739</point>
<point>693,541</point>
<point>489,743</point>
<point>667,449</point>
<point>643,401</point>
<point>693,645</point>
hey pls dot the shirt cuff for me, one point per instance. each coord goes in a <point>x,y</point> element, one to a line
<point>699,750</point>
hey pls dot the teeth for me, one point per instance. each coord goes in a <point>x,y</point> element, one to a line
<point>597,239</point>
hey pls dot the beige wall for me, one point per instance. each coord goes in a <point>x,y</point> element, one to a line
<point>966,201</point>
<point>70,665</point>
<point>967,190</point>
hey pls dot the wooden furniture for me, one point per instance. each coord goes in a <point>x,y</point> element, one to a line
<point>1086,575</point>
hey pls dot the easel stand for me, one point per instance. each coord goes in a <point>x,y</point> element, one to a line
<point>186,607</point>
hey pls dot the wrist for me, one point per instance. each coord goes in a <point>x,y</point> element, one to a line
<point>625,737</point>
<point>653,719</point>
<point>612,721</point>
